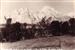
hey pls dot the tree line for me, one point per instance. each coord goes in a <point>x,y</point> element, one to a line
<point>21,31</point>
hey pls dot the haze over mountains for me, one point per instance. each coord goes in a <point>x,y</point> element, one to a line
<point>27,15</point>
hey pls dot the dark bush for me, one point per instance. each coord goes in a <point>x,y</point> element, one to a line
<point>72,26</point>
<point>55,28</point>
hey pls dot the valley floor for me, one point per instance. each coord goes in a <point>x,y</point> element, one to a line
<point>63,42</point>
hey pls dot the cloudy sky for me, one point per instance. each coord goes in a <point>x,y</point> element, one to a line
<point>7,6</point>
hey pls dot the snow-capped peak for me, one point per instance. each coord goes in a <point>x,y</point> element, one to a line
<point>48,8</point>
<point>71,14</point>
<point>22,15</point>
<point>27,15</point>
<point>50,12</point>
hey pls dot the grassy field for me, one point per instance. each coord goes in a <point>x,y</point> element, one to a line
<point>67,42</point>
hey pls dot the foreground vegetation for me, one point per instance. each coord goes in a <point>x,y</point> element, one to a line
<point>18,31</point>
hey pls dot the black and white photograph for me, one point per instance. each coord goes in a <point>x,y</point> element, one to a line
<point>37,24</point>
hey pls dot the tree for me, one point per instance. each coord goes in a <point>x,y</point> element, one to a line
<point>65,28</point>
<point>72,26</point>
<point>55,28</point>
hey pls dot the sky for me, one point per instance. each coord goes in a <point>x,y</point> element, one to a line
<point>8,6</point>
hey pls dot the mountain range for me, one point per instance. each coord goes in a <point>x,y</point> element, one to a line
<point>26,15</point>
